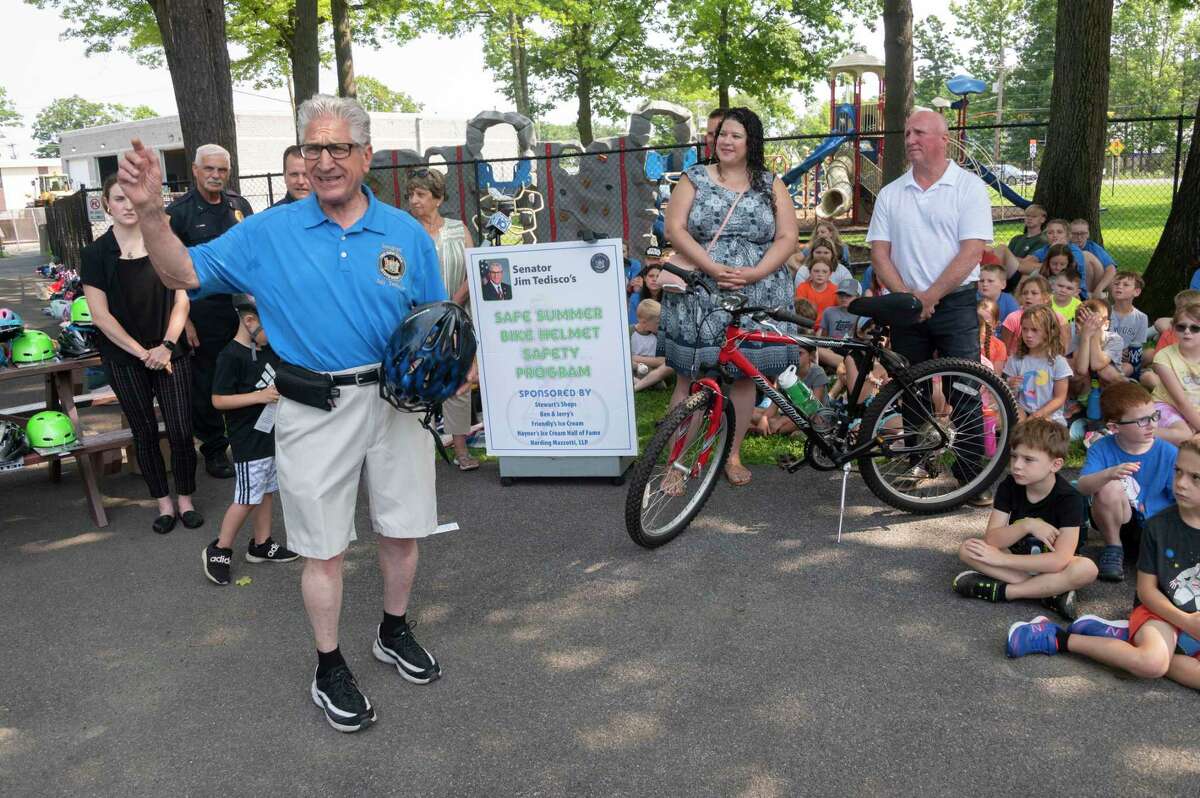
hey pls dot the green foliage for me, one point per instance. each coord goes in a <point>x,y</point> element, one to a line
<point>553,131</point>
<point>373,95</point>
<point>8,113</point>
<point>935,59</point>
<point>73,113</point>
<point>760,48</point>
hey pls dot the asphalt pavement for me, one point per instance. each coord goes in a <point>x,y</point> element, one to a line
<point>753,656</point>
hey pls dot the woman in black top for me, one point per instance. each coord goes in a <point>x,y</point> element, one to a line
<point>141,323</point>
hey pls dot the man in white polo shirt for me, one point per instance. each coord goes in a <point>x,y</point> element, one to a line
<point>927,234</point>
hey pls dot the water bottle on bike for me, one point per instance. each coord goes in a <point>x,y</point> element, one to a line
<point>800,394</point>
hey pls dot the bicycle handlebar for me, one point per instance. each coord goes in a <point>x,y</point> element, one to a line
<point>786,315</point>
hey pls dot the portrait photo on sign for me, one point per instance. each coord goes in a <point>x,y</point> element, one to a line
<point>496,284</point>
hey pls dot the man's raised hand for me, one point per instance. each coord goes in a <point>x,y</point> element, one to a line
<point>140,178</point>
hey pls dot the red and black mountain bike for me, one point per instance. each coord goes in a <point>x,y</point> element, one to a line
<point>933,437</point>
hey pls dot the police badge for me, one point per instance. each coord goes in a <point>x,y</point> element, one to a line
<point>391,263</point>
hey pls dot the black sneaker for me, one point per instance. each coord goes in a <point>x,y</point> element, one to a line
<point>1112,564</point>
<point>216,563</point>
<point>269,551</point>
<point>218,466</point>
<point>1064,604</point>
<point>346,708</point>
<point>413,662</point>
<point>973,584</point>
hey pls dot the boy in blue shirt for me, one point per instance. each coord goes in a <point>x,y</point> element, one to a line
<point>1128,473</point>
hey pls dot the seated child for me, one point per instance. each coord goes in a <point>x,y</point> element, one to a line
<point>991,286</point>
<point>1037,371</point>
<point>1177,396</point>
<point>1165,330</point>
<point>837,322</point>
<point>1034,290</point>
<point>1064,290</point>
<point>649,369</point>
<point>1160,637</point>
<point>827,229</point>
<point>1095,352</point>
<point>1127,473</point>
<point>244,391</point>
<point>817,289</point>
<point>1029,548</point>
<point>992,352</point>
<point>1128,322</point>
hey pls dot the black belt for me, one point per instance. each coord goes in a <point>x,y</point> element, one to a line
<point>364,377</point>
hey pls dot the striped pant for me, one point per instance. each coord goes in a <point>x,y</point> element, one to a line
<point>136,388</point>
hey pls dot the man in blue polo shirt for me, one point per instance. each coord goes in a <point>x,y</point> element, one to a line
<point>1081,236</point>
<point>333,275</point>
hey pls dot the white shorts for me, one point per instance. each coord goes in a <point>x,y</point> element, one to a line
<point>254,479</point>
<point>320,456</point>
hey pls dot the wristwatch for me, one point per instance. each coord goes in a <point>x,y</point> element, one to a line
<point>169,345</point>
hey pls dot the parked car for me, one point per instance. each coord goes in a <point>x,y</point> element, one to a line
<point>1013,174</point>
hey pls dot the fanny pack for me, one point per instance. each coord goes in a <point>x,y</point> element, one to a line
<point>315,388</point>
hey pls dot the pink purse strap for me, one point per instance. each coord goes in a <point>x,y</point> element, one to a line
<point>724,222</point>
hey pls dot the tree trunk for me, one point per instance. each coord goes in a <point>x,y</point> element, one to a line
<point>1069,180</point>
<point>722,44</point>
<point>1178,251</point>
<point>306,59</point>
<point>343,48</point>
<point>583,86</point>
<point>898,84</point>
<point>520,73</point>
<point>193,36</point>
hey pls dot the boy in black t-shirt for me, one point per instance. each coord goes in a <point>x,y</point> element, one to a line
<point>1028,550</point>
<point>244,390</point>
<point>1161,636</point>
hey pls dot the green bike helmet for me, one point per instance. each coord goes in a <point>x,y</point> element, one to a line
<point>80,312</point>
<point>49,429</point>
<point>32,346</point>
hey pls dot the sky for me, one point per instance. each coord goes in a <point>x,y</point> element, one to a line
<point>36,66</point>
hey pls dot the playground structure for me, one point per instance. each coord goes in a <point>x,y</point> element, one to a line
<point>553,191</point>
<point>841,177</point>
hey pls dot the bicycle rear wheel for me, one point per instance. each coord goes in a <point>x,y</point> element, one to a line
<point>944,426</point>
<point>677,472</point>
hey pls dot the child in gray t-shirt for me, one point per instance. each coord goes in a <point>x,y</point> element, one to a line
<point>649,368</point>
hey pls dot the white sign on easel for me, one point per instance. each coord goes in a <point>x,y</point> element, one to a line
<point>554,361</point>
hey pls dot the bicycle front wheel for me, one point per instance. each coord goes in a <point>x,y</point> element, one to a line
<point>943,426</point>
<point>677,472</point>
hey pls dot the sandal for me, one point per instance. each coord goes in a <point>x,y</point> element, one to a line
<point>738,478</point>
<point>191,519</point>
<point>672,483</point>
<point>163,524</point>
<point>465,462</point>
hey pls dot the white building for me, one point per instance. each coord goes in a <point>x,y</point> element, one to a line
<point>19,180</point>
<point>90,155</point>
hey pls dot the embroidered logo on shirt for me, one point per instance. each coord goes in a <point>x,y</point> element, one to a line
<point>391,263</point>
<point>237,215</point>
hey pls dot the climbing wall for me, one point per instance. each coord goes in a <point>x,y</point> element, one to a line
<point>560,191</point>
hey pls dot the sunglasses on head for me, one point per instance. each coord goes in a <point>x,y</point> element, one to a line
<point>1187,328</point>
<point>418,172</point>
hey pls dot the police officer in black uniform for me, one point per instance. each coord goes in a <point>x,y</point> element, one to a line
<point>295,176</point>
<point>206,211</point>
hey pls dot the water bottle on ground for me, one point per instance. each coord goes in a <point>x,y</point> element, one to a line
<point>799,393</point>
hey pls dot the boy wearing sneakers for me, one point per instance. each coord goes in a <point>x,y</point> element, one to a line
<point>1127,474</point>
<point>1160,637</point>
<point>1028,550</point>
<point>244,390</point>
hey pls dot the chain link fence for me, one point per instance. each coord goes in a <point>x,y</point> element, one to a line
<point>561,192</point>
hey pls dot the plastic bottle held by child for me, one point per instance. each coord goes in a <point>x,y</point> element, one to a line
<point>799,393</point>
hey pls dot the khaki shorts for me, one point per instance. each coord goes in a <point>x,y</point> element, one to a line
<point>319,456</point>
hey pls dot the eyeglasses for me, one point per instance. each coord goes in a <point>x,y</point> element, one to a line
<point>338,151</point>
<point>418,172</point>
<point>1187,328</point>
<point>1142,422</point>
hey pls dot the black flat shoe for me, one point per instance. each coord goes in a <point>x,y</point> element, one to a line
<point>218,466</point>
<point>191,519</point>
<point>164,524</point>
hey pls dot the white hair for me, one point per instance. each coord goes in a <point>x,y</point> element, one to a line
<point>212,149</point>
<point>324,105</point>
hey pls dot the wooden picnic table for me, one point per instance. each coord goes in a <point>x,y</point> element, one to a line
<point>60,381</point>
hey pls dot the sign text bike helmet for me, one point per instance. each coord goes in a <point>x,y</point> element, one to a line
<point>49,429</point>
<point>32,346</point>
<point>11,325</point>
<point>80,312</point>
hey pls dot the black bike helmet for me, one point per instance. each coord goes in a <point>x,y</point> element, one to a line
<point>77,341</point>
<point>428,357</point>
<point>12,441</point>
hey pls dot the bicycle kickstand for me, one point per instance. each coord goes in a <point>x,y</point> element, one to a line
<point>842,508</point>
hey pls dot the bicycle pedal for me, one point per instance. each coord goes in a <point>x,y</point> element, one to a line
<point>789,463</point>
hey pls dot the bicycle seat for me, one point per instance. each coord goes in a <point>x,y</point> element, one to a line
<point>889,309</point>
